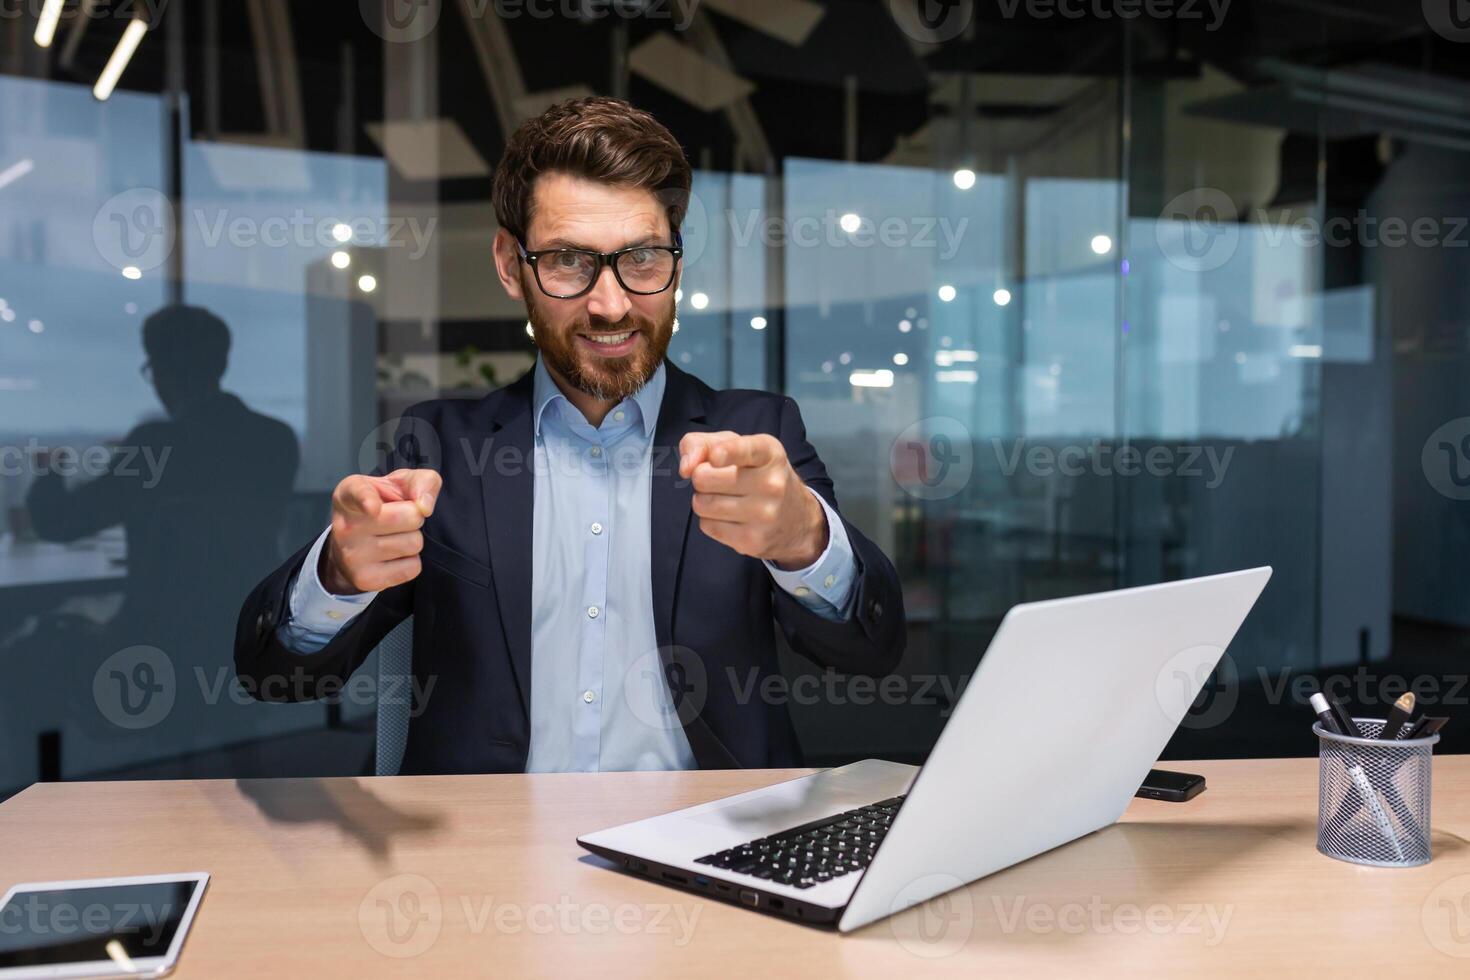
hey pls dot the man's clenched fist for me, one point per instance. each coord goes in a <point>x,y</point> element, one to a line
<point>747,496</point>
<point>375,539</point>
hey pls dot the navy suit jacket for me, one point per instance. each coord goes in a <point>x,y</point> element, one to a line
<point>714,609</point>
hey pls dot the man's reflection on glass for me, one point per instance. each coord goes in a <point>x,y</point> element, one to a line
<point>201,495</point>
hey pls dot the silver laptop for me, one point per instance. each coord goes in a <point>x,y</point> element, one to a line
<point>1069,708</point>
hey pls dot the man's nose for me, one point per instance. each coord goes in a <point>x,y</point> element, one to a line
<point>608,300</point>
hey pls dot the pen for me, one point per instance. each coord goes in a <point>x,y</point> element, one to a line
<point>1425,727</point>
<point>1323,707</point>
<point>1398,716</point>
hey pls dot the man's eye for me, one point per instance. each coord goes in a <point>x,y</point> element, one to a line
<point>640,256</point>
<point>568,260</point>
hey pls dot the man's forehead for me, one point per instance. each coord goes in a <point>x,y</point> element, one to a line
<point>564,206</point>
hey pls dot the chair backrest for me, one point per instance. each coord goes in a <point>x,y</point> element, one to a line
<point>395,701</point>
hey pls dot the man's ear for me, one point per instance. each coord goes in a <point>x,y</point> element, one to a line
<point>508,264</point>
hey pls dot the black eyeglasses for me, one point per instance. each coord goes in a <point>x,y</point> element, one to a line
<point>566,273</point>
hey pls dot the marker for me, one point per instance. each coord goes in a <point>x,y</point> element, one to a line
<point>1323,707</point>
<point>1345,723</point>
<point>1402,709</point>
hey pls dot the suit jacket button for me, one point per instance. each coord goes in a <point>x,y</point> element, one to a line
<point>877,608</point>
<point>263,622</point>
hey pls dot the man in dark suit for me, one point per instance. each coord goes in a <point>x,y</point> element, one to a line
<point>593,556</point>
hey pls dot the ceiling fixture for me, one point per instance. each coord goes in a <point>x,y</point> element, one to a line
<point>15,172</point>
<point>1001,297</point>
<point>46,23</point>
<point>946,293</point>
<point>881,378</point>
<point>1101,244</point>
<point>964,178</point>
<point>367,283</point>
<point>121,55</point>
<point>341,260</point>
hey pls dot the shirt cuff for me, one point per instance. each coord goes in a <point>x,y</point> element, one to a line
<point>316,614</point>
<point>826,585</point>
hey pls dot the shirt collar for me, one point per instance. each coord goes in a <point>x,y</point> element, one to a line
<point>649,398</point>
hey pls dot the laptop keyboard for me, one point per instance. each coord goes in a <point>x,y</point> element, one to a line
<point>814,852</point>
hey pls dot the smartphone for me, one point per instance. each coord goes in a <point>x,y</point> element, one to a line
<point>1172,787</point>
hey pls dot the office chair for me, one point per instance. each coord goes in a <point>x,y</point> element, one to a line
<point>395,670</point>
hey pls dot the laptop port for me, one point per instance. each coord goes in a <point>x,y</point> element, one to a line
<point>749,897</point>
<point>776,903</point>
<point>676,879</point>
<point>701,881</point>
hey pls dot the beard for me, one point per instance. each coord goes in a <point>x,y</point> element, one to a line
<point>608,379</point>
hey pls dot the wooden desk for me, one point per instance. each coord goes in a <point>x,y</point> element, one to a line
<point>1227,885</point>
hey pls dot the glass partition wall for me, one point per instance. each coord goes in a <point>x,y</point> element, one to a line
<point>1068,303</point>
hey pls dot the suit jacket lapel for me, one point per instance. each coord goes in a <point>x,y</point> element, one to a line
<point>508,494</point>
<point>682,411</point>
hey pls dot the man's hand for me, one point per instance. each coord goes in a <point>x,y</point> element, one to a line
<point>375,540</point>
<point>748,497</point>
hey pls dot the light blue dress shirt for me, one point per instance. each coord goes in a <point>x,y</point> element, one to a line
<point>599,701</point>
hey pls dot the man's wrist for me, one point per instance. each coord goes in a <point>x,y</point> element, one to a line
<point>815,538</point>
<point>326,572</point>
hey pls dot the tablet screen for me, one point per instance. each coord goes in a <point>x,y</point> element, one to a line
<point>79,925</point>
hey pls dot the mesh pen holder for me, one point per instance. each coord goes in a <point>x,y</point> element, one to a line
<point>1373,797</point>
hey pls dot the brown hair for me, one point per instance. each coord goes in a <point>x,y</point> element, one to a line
<point>599,138</point>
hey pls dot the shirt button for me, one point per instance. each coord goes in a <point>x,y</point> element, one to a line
<point>827,582</point>
<point>597,450</point>
<point>588,696</point>
<point>334,614</point>
<point>803,591</point>
<point>592,612</point>
<point>618,416</point>
<point>596,528</point>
